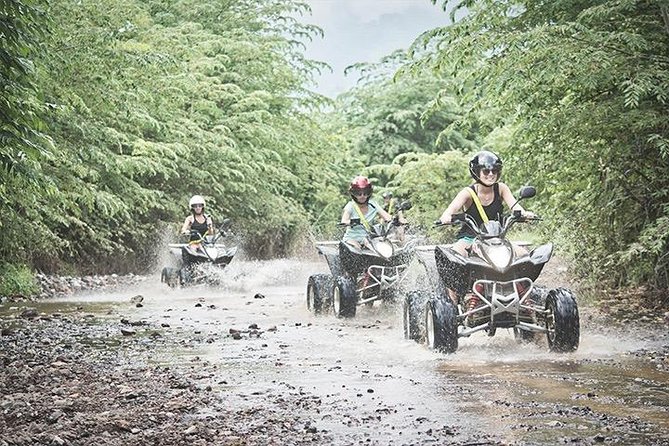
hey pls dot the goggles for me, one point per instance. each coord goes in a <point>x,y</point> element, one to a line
<point>490,171</point>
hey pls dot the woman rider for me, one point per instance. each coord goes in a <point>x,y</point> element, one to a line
<point>198,222</point>
<point>361,209</point>
<point>486,169</point>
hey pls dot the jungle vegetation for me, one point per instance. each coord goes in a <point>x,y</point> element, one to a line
<point>113,113</point>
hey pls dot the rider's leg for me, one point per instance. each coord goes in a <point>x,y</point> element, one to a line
<point>461,247</point>
<point>354,243</point>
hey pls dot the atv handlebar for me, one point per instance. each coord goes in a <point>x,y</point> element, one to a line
<point>463,218</point>
<point>456,219</point>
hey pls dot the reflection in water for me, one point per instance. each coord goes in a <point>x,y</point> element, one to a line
<point>542,396</point>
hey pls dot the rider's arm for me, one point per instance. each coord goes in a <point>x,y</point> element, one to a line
<point>384,215</point>
<point>185,229</point>
<point>461,200</point>
<point>346,216</point>
<point>210,226</point>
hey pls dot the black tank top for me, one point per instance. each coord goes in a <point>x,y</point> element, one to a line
<point>202,228</point>
<point>493,211</point>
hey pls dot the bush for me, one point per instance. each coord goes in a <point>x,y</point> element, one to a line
<point>17,280</point>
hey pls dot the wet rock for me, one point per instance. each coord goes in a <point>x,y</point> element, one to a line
<point>259,296</point>
<point>137,299</point>
<point>54,416</point>
<point>128,332</point>
<point>29,313</point>
<point>253,327</point>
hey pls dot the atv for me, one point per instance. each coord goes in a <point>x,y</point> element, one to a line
<point>495,288</point>
<point>199,259</point>
<point>362,276</point>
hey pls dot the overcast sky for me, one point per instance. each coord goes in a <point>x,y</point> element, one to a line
<point>364,31</point>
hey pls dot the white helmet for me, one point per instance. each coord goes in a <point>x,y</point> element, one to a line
<point>196,199</point>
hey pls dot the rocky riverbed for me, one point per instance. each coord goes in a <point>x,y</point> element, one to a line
<point>245,364</point>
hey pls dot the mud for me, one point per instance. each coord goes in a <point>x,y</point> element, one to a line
<point>246,364</point>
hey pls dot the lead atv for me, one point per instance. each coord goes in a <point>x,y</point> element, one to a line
<point>199,260</point>
<point>495,288</point>
<point>362,276</point>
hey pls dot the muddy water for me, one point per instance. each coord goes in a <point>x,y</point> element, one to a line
<point>364,384</point>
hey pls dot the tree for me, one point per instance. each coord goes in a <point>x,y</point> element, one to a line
<point>583,87</point>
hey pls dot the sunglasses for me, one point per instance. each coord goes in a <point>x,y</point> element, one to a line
<point>490,171</point>
<point>362,193</point>
<point>198,206</point>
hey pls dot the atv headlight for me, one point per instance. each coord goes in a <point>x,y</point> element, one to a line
<point>500,256</point>
<point>383,247</point>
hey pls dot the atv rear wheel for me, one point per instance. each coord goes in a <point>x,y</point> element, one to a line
<point>412,308</point>
<point>344,298</point>
<point>319,289</point>
<point>441,326</point>
<point>562,321</point>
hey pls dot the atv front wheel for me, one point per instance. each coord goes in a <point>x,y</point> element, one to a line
<point>344,298</point>
<point>412,308</point>
<point>319,288</point>
<point>170,276</point>
<point>441,326</point>
<point>562,321</point>
<point>523,336</point>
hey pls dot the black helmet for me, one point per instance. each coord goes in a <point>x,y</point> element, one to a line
<point>485,160</point>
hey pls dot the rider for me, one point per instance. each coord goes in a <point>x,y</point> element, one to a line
<point>197,224</point>
<point>197,220</point>
<point>388,201</point>
<point>390,205</point>
<point>361,210</point>
<point>486,169</point>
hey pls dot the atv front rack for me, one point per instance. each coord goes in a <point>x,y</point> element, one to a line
<point>383,277</point>
<point>504,305</point>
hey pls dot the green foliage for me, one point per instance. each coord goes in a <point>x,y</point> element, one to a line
<point>429,181</point>
<point>23,145</point>
<point>153,101</point>
<point>17,280</point>
<point>583,88</point>
<point>387,116</point>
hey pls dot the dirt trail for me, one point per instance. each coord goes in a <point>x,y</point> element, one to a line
<point>246,364</point>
